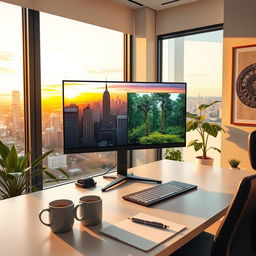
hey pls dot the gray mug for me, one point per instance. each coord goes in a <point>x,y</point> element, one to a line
<point>61,215</point>
<point>90,210</point>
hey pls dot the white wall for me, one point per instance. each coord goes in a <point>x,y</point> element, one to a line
<point>104,13</point>
<point>144,63</point>
<point>239,29</point>
<point>197,14</point>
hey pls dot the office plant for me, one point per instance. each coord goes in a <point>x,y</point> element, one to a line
<point>173,154</point>
<point>198,122</point>
<point>234,163</point>
<point>16,173</point>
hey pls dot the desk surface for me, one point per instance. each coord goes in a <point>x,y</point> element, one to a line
<point>21,232</point>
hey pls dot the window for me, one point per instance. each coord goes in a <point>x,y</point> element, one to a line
<point>74,50</point>
<point>196,59</point>
<point>11,77</point>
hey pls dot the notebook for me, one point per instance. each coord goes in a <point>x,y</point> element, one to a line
<point>142,236</point>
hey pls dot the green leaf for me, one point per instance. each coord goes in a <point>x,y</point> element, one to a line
<point>40,158</point>
<point>211,129</point>
<point>190,115</point>
<point>24,162</point>
<point>2,163</point>
<point>63,172</point>
<point>50,175</point>
<point>217,149</point>
<point>191,143</point>
<point>6,176</point>
<point>198,146</point>
<point>191,125</point>
<point>201,118</point>
<point>4,150</point>
<point>12,159</point>
<point>34,188</point>
<point>204,106</point>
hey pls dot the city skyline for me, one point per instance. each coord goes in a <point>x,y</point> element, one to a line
<point>95,121</point>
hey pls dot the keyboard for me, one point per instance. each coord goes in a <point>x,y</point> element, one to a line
<point>158,193</point>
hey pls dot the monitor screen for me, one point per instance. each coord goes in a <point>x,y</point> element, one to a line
<point>107,115</point>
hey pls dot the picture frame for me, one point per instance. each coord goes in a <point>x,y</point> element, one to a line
<point>243,102</point>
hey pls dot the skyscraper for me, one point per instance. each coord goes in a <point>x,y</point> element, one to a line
<point>16,112</point>
<point>121,130</point>
<point>106,109</point>
<point>57,161</point>
<point>55,121</point>
<point>88,129</point>
<point>71,114</point>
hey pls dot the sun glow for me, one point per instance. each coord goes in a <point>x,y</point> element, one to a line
<point>71,93</point>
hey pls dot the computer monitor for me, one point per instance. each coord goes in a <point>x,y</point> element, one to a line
<point>120,116</point>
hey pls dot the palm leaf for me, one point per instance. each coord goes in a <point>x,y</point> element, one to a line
<point>4,180</point>
<point>2,163</point>
<point>24,162</point>
<point>63,172</point>
<point>4,150</point>
<point>12,159</point>
<point>34,188</point>
<point>40,158</point>
<point>3,194</point>
<point>50,175</point>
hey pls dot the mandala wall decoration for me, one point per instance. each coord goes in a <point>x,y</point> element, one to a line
<point>243,110</point>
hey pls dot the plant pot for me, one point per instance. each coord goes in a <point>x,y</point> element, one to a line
<point>202,161</point>
<point>235,168</point>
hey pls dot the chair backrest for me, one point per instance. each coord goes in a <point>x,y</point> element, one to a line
<point>237,233</point>
<point>252,149</point>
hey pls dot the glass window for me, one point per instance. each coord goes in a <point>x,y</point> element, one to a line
<point>11,77</point>
<point>197,60</point>
<point>74,50</point>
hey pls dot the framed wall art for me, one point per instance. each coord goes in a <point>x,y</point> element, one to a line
<point>243,106</point>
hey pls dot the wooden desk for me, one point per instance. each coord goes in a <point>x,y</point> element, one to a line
<point>21,232</point>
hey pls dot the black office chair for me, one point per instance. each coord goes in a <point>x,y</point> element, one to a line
<point>237,233</point>
<point>252,149</point>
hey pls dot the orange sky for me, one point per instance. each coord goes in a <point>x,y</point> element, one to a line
<point>88,92</point>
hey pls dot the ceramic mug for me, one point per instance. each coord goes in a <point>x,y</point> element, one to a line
<point>90,210</point>
<point>61,215</point>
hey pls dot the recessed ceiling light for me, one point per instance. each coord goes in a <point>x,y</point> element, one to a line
<point>169,2</point>
<point>134,2</point>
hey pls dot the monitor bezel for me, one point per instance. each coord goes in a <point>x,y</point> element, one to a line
<point>126,147</point>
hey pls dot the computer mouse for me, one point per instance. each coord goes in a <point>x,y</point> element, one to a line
<point>85,183</point>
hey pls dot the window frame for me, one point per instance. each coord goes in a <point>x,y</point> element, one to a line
<point>32,85</point>
<point>181,33</point>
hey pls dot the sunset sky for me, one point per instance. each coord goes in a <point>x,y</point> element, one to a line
<point>84,93</point>
<point>69,51</point>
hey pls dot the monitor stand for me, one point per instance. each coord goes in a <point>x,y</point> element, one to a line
<point>122,174</point>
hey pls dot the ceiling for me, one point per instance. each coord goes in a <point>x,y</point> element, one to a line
<point>153,4</point>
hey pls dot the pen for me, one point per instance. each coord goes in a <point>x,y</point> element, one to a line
<point>149,223</point>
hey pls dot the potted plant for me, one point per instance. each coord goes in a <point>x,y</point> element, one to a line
<point>173,154</point>
<point>16,173</point>
<point>234,163</point>
<point>205,129</point>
